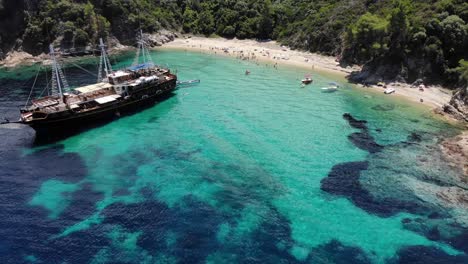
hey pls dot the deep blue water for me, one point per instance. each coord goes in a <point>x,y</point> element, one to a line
<point>239,169</point>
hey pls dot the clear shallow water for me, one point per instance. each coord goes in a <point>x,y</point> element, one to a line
<point>237,169</point>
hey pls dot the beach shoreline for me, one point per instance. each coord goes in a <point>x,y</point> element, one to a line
<point>433,98</point>
<point>272,52</point>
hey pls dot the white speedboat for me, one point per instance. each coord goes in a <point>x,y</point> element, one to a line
<point>330,89</point>
<point>389,91</point>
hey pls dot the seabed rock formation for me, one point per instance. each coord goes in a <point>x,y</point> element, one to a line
<point>432,189</point>
<point>455,151</point>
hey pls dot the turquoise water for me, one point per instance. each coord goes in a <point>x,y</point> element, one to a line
<point>234,169</point>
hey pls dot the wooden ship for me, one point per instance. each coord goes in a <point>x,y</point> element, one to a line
<point>114,93</point>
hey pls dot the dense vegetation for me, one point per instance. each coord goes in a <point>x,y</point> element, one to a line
<point>395,39</point>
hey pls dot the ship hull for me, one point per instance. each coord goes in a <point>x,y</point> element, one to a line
<point>73,121</point>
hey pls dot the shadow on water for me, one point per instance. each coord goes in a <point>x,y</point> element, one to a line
<point>48,136</point>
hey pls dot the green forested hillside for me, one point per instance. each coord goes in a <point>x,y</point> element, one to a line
<point>395,39</point>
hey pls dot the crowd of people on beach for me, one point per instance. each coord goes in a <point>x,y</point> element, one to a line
<point>273,55</point>
<point>255,54</point>
<point>249,55</point>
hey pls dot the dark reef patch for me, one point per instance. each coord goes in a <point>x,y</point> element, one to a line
<point>137,216</point>
<point>362,139</point>
<point>150,217</point>
<point>343,180</point>
<point>194,223</point>
<point>426,255</point>
<point>451,233</point>
<point>265,240</point>
<point>414,137</point>
<point>77,247</point>
<point>197,222</point>
<point>359,124</point>
<point>27,230</point>
<point>66,167</point>
<point>337,253</point>
<point>459,241</point>
<point>365,141</point>
<point>83,205</point>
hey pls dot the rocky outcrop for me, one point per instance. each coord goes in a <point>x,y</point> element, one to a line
<point>458,106</point>
<point>380,70</point>
<point>455,151</point>
<point>16,58</point>
<point>161,37</point>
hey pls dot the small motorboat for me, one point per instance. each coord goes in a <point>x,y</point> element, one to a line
<point>307,80</point>
<point>330,89</point>
<point>389,91</point>
<point>333,87</point>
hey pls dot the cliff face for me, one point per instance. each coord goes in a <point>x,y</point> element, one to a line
<point>11,25</point>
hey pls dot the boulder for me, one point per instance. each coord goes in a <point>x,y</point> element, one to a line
<point>161,37</point>
<point>451,110</point>
<point>417,82</point>
<point>458,105</point>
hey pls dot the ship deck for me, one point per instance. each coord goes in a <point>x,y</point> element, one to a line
<point>86,96</point>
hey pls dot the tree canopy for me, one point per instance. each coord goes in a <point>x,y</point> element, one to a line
<point>423,38</point>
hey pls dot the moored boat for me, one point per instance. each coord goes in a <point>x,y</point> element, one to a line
<point>112,95</point>
<point>330,89</point>
<point>307,79</point>
<point>389,90</point>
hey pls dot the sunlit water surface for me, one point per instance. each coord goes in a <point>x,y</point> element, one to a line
<point>252,169</point>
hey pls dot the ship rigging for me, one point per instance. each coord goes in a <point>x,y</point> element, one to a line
<point>116,91</point>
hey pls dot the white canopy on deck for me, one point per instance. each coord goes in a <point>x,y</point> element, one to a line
<point>93,87</point>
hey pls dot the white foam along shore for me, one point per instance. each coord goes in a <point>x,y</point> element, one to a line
<point>271,51</point>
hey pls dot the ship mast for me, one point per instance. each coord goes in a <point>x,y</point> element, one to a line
<point>143,50</point>
<point>104,60</point>
<point>59,83</point>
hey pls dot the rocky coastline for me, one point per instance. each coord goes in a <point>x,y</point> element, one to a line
<point>18,57</point>
<point>455,149</point>
<point>458,106</point>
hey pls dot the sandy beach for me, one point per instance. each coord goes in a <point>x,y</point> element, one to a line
<point>272,52</point>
